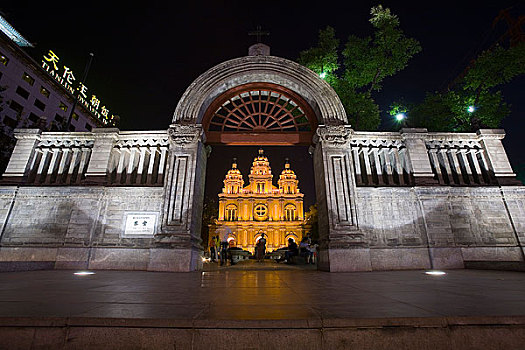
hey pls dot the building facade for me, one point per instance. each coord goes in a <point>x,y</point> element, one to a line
<point>260,208</point>
<point>31,97</point>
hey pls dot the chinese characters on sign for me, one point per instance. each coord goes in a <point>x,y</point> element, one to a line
<point>67,79</point>
<point>140,225</point>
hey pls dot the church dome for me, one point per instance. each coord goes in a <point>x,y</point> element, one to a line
<point>288,180</point>
<point>260,165</point>
<point>233,172</point>
<point>233,181</point>
<point>287,173</point>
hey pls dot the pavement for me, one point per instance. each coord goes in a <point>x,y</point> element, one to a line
<point>261,299</point>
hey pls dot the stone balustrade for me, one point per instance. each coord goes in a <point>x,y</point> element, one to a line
<point>459,159</point>
<point>137,158</point>
<point>101,157</point>
<point>417,157</point>
<point>379,159</point>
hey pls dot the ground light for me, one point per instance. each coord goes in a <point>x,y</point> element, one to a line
<point>435,273</point>
<point>83,273</point>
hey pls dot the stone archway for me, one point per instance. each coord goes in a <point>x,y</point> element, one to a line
<point>259,69</point>
<point>328,134</point>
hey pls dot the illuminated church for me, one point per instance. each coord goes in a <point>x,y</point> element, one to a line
<point>260,207</point>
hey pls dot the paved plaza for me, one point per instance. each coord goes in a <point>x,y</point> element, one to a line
<point>260,297</point>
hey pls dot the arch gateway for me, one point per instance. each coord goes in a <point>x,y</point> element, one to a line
<point>111,199</point>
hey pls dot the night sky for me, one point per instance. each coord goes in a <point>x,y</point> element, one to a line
<point>146,56</point>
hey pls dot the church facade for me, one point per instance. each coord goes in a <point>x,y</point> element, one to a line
<point>111,199</point>
<point>261,208</point>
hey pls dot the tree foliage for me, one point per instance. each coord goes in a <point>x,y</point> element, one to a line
<point>311,225</point>
<point>476,101</point>
<point>210,209</point>
<point>364,64</point>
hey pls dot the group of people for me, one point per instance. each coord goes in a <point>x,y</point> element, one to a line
<point>219,250</point>
<point>305,249</point>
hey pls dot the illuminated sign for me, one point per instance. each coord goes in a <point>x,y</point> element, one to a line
<point>66,78</point>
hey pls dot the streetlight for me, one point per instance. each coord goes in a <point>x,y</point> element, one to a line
<point>322,75</point>
<point>400,117</point>
<point>471,109</point>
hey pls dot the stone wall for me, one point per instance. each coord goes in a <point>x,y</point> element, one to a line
<point>439,227</point>
<point>79,227</point>
<point>398,200</point>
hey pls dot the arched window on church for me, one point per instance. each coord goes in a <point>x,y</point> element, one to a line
<point>289,212</point>
<point>231,213</point>
<point>260,187</point>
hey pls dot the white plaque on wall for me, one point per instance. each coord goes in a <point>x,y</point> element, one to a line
<point>140,224</point>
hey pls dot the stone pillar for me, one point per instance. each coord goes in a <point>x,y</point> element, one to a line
<point>498,162</point>
<point>98,166</point>
<point>417,157</point>
<point>342,245</point>
<point>22,156</point>
<point>178,245</point>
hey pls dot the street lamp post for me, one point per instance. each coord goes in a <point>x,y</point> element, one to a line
<point>84,77</point>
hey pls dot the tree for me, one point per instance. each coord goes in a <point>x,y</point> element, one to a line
<point>476,101</point>
<point>311,225</point>
<point>210,211</point>
<point>366,62</point>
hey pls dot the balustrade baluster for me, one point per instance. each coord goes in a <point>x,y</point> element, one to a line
<point>437,167</point>
<point>43,159</point>
<point>140,168</point>
<point>357,166</point>
<point>162,164</point>
<point>52,164</point>
<point>151,164</point>
<point>457,167</point>
<point>463,156</point>
<point>379,169</point>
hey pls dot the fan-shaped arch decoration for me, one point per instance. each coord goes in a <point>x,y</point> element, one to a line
<point>260,113</point>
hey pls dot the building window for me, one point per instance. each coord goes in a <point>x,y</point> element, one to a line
<point>16,107</point>
<point>44,91</point>
<point>63,107</point>
<point>28,79</point>
<point>260,187</point>
<point>33,117</point>
<point>59,118</point>
<point>260,211</point>
<point>22,92</point>
<point>289,212</point>
<point>3,59</point>
<point>89,127</point>
<point>40,105</point>
<point>231,213</point>
<point>10,122</point>
<point>75,116</point>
